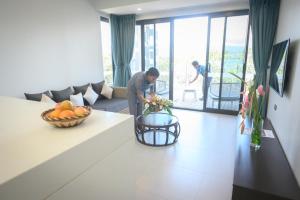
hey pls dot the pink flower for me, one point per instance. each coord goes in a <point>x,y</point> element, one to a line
<point>246,101</point>
<point>242,112</point>
<point>150,99</point>
<point>260,90</point>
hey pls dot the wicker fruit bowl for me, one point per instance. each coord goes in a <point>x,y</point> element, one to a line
<point>66,122</point>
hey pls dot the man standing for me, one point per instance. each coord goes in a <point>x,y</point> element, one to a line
<point>137,85</point>
<point>200,69</point>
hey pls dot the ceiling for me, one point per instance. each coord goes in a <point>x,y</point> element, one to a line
<point>150,6</point>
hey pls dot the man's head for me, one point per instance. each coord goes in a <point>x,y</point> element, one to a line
<point>152,74</point>
<point>195,63</point>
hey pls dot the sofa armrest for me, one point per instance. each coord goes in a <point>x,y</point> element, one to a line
<point>120,92</point>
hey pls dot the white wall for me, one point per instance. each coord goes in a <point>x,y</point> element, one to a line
<point>102,4</point>
<point>48,45</point>
<point>195,10</point>
<point>286,119</point>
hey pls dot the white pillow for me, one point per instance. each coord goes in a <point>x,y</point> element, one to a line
<point>47,99</point>
<point>107,91</point>
<point>77,99</point>
<point>90,95</point>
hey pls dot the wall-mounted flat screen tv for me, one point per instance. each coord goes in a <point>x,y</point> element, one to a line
<point>279,66</point>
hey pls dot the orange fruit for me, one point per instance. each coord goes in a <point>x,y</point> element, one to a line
<point>66,105</point>
<point>58,106</point>
<point>66,113</point>
<point>80,111</point>
<point>54,114</point>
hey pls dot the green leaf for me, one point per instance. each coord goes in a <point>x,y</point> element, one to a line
<point>147,111</point>
<point>169,110</point>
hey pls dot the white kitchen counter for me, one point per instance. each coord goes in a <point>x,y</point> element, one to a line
<point>37,159</point>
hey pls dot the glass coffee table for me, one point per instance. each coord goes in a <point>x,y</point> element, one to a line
<point>157,129</point>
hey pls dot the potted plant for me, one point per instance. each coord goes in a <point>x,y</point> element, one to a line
<point>155,104</point>
<point>252,96</point>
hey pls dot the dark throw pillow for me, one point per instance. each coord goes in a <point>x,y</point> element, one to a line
<point>36,96</point>
<point>80,89</point>
<point>61,95</point>
<point>97,87</point>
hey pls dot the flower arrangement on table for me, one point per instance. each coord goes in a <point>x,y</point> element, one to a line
<point>155,103</point>
<point>252,98</point>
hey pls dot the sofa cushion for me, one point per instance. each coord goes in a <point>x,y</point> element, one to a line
<point>36,96</point>
<point>81,89</point>
<point>112,105</point>
<point>77,99</point>
<point>97,87</point>
<point>107,91</point>
<point>61,95</point>
<point>91,96</point>
<point>46,99</point>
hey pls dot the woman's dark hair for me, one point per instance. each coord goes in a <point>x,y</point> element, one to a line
<point>152,72</point>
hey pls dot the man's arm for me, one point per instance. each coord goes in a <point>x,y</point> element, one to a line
<point>194,78</point>
<point>140,95</point>
<point>139,92</point>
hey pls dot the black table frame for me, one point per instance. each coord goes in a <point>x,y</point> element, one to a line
<point>141,129</point>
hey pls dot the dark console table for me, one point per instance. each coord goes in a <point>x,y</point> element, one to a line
<point>264,174</point>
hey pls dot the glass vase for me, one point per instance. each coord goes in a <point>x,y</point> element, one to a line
<point>256,133</point>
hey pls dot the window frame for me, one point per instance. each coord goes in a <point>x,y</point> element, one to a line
<point>106,20</point>
<point>171,19</point>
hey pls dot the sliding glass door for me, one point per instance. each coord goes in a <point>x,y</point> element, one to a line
<point>227,54</point>
<point>149,43</point>
<point>218,42</point>
<point>215,60</point>
<point>190,42</point>
<point>162,58</point>
<point>136,61</point>
<point>157,54</point>
<point>234,61</point>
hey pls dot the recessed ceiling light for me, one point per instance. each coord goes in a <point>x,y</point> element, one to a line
<point>139,9</point>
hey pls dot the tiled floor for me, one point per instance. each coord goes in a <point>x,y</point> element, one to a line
<point>199,166</point>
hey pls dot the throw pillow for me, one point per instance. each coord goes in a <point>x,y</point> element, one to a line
<point>47,99</point>
<point>80,89</point>
<point>36,96</point>
<point>61,95</point>
<point>97,87</point>
<point>77,99</point>
<point>91,96</point>
<point>107,91</point>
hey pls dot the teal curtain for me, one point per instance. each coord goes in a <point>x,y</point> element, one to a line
<point>276,60</point>
<point>263,20</point>
<point>122,44</point>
